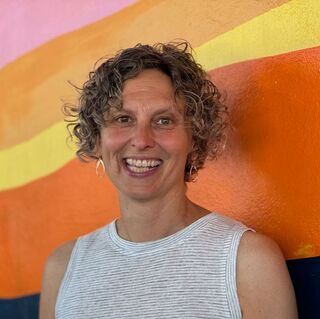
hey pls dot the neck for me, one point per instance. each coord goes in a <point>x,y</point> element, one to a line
<point>157,218</point>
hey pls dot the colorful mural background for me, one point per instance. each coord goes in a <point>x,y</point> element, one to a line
<point>263,55</point>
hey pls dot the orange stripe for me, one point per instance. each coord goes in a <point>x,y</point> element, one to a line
<point>40,216</point>
<point>34,85</point>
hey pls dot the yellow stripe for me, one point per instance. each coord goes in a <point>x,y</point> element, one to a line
<point>292,26</point>
<point>37,157</point>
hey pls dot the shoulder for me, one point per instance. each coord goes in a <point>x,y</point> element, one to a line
<point>225,223</point>
<point>54,271</point>
<point>263,283</point>
<point>61,254</point>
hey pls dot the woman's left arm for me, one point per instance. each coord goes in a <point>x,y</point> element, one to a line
<point>264,286</point>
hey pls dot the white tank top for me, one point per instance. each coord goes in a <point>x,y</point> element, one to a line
<point>190,274</point>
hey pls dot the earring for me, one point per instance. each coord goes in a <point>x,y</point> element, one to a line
<point>193,174</point>
<point>100,163</point>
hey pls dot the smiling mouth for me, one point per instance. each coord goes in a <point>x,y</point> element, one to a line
<point>141,165</point>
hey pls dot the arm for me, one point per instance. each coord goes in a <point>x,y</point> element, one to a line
<point>264,287</point>
<point>53,274</point>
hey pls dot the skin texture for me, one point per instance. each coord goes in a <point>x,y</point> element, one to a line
<point>149,126</point>
<point>153,205</point>
<point>264,286</point>
<point>52,277</point>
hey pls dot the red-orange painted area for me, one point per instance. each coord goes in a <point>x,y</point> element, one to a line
<point>268,177</point>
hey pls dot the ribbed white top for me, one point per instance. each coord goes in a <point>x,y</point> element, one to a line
<point>190,274</point>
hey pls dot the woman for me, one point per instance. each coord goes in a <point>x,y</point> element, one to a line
<point>150,117</point>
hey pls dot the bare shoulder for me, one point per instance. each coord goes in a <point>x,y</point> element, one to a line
<point>54,271</point>
<point>263,282</point>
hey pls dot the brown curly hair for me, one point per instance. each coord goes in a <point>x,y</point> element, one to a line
<point>203,107</point>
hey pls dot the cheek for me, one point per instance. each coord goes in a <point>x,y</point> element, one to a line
<point>176,143</point>
<point>112,140</point>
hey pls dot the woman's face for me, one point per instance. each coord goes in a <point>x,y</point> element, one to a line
<point>145,143</point>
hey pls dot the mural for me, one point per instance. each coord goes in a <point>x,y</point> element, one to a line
<point>263,55</point>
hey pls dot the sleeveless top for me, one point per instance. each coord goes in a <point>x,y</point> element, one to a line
<point>190,274</point>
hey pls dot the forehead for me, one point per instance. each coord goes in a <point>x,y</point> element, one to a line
<point>150,88</point>
<point>148,82</point>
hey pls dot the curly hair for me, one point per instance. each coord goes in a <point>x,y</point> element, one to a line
<point>203,107</point>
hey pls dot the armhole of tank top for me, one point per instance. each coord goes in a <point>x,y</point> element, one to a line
<point>231,272</point>
<point>66,279</point>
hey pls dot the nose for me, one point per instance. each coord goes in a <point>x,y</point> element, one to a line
<point>142,137</point>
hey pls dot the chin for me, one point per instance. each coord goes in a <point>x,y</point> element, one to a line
<point>141,193</point>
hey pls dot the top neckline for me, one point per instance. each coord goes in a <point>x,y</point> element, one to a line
<point>137,248</point>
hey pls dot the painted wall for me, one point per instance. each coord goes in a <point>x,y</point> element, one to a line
<point>263,55</point>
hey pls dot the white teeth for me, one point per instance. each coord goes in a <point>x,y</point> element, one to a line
<point>139,169</point>
<point>142,163</point>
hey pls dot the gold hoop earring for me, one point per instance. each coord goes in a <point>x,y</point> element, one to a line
<point>193,174</point>
<point>100,163</point>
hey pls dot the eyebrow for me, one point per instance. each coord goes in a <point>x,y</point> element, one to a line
<point>164,109</point>
<point>171,109</point>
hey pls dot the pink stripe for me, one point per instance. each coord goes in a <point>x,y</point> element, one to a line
<point>26,24</point>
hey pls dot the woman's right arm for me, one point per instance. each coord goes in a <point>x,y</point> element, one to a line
<point>52,276</point>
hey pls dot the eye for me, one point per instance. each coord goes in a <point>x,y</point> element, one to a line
<point>123,119</point>
<point>164,121</point>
